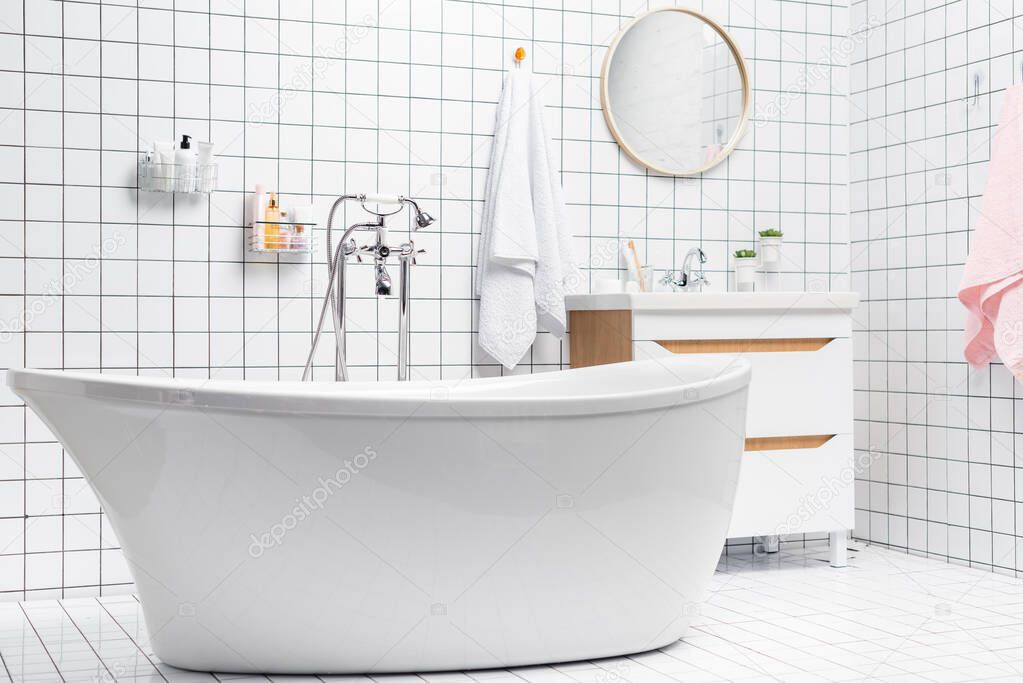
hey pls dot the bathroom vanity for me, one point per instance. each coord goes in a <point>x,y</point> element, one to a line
<point>798,469</point>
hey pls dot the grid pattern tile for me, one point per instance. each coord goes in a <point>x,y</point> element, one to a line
<point>927,84</point>
<point>791,618</point>
<point>317,98</point>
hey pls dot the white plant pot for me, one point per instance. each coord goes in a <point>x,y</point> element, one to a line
<point>770,252</point>
<point>745,273</point>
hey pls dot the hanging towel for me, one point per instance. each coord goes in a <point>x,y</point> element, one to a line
<point>990,286</point>
<point>525,265</point>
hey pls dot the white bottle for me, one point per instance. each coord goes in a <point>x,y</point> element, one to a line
<point>163,167</point>
<point>205,173</point>
<point>258,210</point>
<point>184,165</point>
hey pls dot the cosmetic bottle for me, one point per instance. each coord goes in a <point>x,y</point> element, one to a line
<point>301,217</point>
<point>203,165</point>
<point>257,211</point>
<point>184,162</point>
<point>163,157</point>
<point>286,230</point>
<point>272,229</point>
<point>203,152</point>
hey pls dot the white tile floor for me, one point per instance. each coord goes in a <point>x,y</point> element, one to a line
<point>783,617</point>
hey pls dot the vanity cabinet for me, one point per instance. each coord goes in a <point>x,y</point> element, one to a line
<point>798,470</point>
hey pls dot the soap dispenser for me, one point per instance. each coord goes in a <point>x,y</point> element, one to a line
<point>184,163</point>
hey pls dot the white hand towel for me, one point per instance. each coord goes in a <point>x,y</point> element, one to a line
<point>525,257</point>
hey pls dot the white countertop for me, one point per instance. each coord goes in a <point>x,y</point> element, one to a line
<point>748,301</point>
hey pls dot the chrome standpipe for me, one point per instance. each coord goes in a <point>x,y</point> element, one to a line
<point>405,259</point>
<point>335,300</point>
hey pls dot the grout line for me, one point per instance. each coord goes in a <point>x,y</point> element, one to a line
<point>42,644</point>
<point>129,635</point>
<point>86,640</point>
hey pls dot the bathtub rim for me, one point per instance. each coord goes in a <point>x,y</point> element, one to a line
<point>409,400</point>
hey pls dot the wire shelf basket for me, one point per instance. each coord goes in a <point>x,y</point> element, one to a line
<point>266,237</point>
<point>182,178</point>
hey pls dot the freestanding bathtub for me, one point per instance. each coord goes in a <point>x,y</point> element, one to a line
<point>385,527</point>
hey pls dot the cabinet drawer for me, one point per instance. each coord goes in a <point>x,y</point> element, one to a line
<point>795,491</point>
<point>799,392</point>
<point>733,324</point>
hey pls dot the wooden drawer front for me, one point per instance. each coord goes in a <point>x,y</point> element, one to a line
<point>795,491</point>
<point>800,392</point>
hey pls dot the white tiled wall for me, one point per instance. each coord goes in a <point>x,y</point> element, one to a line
<point>317,98</point>
<point>926,90</point>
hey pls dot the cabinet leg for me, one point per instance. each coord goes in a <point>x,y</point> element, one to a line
<point>769,543</point>
<point>838,548</point>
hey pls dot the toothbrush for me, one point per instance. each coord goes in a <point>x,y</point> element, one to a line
<point>630,266</point>
<point>635,264</point>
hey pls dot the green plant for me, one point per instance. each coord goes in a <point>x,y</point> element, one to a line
<point>770,232</point>
<point>745,253</point>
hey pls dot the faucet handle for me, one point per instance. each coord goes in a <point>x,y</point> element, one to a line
<point>668,280</point>
<point>408,250</point>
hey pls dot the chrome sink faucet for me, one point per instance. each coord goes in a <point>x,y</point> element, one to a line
<point>688,280</point>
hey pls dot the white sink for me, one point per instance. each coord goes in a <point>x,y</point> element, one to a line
<point>667,301</point>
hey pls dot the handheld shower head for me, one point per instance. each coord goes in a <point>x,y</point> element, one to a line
<point>423,219</point>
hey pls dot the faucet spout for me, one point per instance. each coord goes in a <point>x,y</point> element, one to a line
<point>383,279</point>
<point>687,262</point>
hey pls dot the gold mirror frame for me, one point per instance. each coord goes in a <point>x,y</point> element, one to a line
<point>605,103</point>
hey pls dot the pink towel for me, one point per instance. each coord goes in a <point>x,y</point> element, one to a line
<point>994,268</point>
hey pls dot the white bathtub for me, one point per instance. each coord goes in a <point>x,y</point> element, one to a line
<point>376,527</point>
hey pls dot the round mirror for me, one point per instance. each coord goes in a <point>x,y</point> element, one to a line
<point>675,91</point>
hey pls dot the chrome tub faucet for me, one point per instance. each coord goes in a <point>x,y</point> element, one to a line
<point>334,299</point>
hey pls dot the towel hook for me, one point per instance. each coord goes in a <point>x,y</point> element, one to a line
<point>976,92</point>
<point>520,54</point>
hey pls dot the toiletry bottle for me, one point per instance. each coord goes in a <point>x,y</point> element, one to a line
<point>163,171</point>
<point>272,229</point>
<point>257,212</point>
<point>298,237</point>
<point>184,162</point>
<point>286,230</point>
<point>301,218</point>
<point>146,171</point>
<point>203,165</point>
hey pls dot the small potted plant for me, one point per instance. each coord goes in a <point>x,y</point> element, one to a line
<point>745,261</point>
<point>770,248</point>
